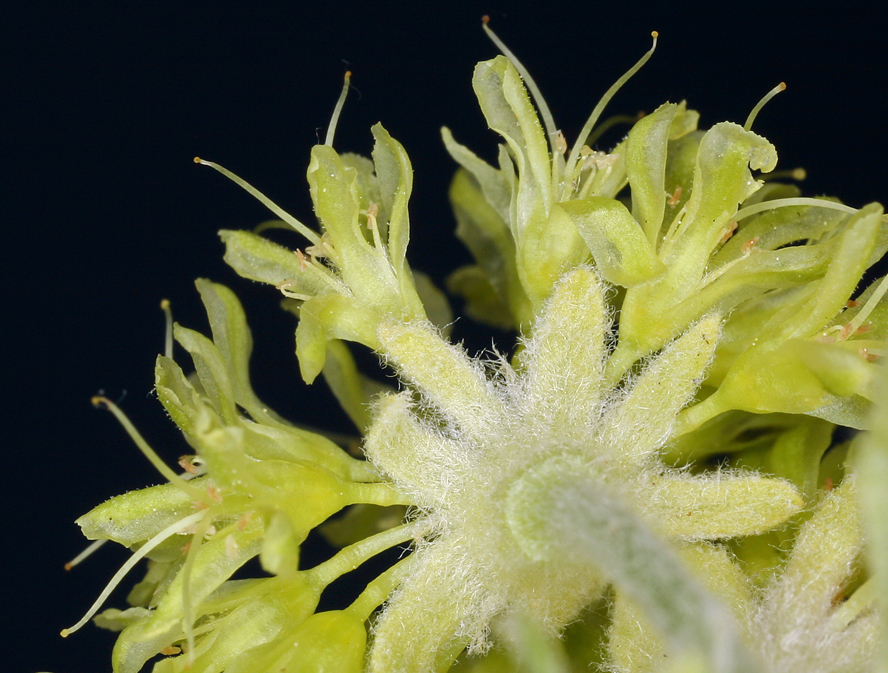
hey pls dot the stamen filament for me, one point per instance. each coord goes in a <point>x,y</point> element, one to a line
<point>314,266</point>
<point>268,203</point>
<point>758,106</point>
<point>871,303</point>
<point>587,183</point>
<point>545,113</point>
<point>163,468</point>
<point>337,110</point>
<point>168,334</point>
<point>596,113</point>
<point>187,605</point>
<point>793,174</point>
<point>166,533</point>
<point>743,213</point>
<point>608,124</point>
<point>84,554</point>
<point>865,596</point>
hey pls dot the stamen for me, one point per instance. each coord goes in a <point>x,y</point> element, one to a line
<point>862,599</point>
<point>302,259</point>
<point>596,113</point>
<point>231,547</point>
<point>797,174</point>
<point>168,335</point>
<point>372,212</point>
<point>187,605</point>
<point>84,554</point>
<point>609,123</point>
<point>325,250</point>
<point>214,494</point>
<point>194,466</point>
<point>268,203</point>
<point>284,289</point>
<point>747,247</point>
<point>331,129</point>
<point>768,96</point>
<point>729,232</point>
<point>673,200</point>
<point>166,533</point>
<point>548,121</point>
<point>150,454</point>
<point>743,213</point>
<point>594,162</point>
<point>871,303</point>
<point>313,266</point>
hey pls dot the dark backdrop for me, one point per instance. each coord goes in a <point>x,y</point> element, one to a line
<point>104,213</point>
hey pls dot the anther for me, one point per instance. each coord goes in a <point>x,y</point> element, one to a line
<point>747,247</point>
<point>303,260</point>
<point>732,227</point>
<point>675,198</point>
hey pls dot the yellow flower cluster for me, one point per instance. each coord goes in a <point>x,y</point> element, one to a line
<point>687,341</point>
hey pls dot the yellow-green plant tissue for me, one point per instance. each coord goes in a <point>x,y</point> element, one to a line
<point>637,485</point>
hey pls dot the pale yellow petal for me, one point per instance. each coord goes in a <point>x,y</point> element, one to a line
<point>451,380</point>
<point>419,626</point>
<point>643,421</point>
<point>826,548</point>
<point>419,459</point>
<point>565,356</point>
<point>721,504</point>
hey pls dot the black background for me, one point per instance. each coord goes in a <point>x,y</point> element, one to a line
<point>104,213</point>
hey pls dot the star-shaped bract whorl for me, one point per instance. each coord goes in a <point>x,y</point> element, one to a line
<point>460,443</point>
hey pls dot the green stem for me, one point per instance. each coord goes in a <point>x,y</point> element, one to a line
<point>623,357</point>
<point>380,493</point>
<point>354,555</point>
<point>693,417</point>
<point>565,514</point>
<point>380,589</point>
